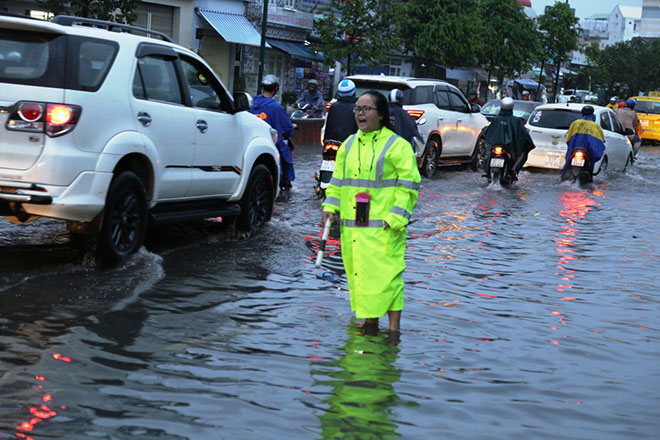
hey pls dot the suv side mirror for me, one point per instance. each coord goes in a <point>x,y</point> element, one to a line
<point>475,108</point>
<point>242,101</point>
<point>628,132</point>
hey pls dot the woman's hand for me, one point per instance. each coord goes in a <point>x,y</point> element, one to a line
<point>328,215</point>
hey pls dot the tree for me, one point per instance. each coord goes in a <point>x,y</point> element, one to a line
<point>121,11</point>
<point>560,34</point>
<point>441,32</point>
<point>512,40</point>
<point>358,31</point>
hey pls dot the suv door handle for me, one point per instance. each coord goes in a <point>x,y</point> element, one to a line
<point>144,118</point>
<point>202,126</point>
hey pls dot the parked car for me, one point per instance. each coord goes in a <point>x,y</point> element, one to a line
<point>522,109</point>
<point>450,127</point>
<point>648,112</point>
<point>548,125</point>
<point>579,95</point>
<point>111,132</point>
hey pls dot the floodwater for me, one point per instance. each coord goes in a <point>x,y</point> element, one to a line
<point>531,313</point>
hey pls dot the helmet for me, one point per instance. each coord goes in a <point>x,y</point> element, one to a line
<point>613,99</point>
<point>472,92</point>
<point>395,96</point>
<point>587,110</point>
<point>346,88</point>
<point>525,92</point>
<point>506,104</point>
<point>312,83</point>
<point>631,103</point>
<point>270,83</point>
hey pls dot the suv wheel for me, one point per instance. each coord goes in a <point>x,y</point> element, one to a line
<point>124,219</point>
<point>430,162</point>
<point>257,202</point>
<point>477,161</point>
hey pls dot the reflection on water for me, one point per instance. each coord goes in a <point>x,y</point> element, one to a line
<point>362,397</point>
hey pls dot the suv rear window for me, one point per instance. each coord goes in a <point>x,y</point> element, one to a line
<point>553,118</point>
<point>41,59</point>
<point>382,87</point>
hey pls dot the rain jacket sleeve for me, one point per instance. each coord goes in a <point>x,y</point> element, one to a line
<point>404,163</point>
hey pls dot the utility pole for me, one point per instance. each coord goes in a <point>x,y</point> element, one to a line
<point>262,49</point>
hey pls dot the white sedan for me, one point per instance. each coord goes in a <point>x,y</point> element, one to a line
<point>549,123</point>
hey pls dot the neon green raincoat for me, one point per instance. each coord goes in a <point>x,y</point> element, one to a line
<point>382,164</point>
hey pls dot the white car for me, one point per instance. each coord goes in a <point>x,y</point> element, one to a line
<point>548,125</point>
<point>112,131</point>
<point>449,125</point>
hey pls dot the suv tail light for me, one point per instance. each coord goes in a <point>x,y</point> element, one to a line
<point>416,114</point>
<point>39,117</point>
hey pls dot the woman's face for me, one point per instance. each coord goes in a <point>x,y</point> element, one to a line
<point>368,119</point>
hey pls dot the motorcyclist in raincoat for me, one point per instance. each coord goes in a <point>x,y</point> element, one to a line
<point>509,131</point>
<point>587,134</point>
<point>401,122</point>
<point>374,189</point>
<point>314,98</point>
<point>266,108</point>
<point>340,120</point>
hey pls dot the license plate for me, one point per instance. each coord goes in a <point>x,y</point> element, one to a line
<point>577,162</point>
<point>553,161</point>
<point>644,122</point>
<point>328,165</point>
<point>498,163</point>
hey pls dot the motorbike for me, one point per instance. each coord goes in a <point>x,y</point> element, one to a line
<point>579,168</point>
<point>324,174</point>
<point>501,163</point>
<point>302,111</point>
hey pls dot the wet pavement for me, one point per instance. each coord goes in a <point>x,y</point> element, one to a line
<point>530,312</point>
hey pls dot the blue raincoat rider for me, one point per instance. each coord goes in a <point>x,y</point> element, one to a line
<point>314,98</point>
<point>269,110</point>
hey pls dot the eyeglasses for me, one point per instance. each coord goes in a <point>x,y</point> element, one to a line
<point>365,109</point>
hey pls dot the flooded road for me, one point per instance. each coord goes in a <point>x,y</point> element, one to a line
<point>531,313</point>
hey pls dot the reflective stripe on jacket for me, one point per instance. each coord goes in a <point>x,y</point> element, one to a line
<point>382,164</point>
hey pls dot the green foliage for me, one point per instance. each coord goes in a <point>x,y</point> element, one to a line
<point>442,32</point>
<point>513,43</point>
<point>121,11</point>
<point>560,32</point>
<point>357,31</point>
<point>625,68</point>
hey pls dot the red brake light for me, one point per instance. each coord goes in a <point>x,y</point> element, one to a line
<point>416,114</point>
<point>58,114</point>
<point>30,111</point>
<point>498,150</point>
<point>579,154</point>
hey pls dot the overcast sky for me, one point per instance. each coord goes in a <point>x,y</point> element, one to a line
<point>586,8</point>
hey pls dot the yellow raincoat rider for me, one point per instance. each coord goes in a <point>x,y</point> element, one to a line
<point>378,162</point>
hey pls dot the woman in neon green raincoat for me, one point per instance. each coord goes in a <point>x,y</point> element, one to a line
<point>378,162</point>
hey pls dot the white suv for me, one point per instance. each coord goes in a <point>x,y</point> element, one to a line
<point>450,127</point>
<point>112,131</point>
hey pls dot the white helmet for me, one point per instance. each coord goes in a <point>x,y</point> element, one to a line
<point>506,104</point>
<point>346,88</point>
<point>395,96</point>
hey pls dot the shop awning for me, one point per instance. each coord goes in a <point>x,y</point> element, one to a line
<point>466,74</point>
<point>298,51</point>
<point>233,28</point>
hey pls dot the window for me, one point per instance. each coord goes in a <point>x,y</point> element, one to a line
<point>559,119</point>
<point>290,4</point>
<point>422,95</point>
<point>204,93</point>
<point>442,100</point>
<point>616,124</point>
<point>94,61</point>
<point>155,79</point>
<point>395,67</point>
<point>457,103</point>
<point>605,122</point>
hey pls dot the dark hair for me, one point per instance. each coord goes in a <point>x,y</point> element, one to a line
<point>382,108</point>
